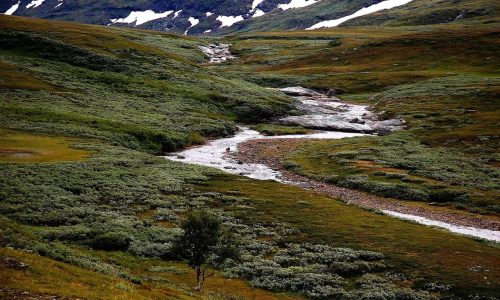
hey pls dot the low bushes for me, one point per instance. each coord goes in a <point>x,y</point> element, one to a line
<point>112,241</point>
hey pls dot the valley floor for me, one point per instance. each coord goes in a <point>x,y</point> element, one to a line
<point>89,210</point>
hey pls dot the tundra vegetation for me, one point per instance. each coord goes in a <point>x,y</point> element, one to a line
<point>94,215</point>
<point>441,79</point>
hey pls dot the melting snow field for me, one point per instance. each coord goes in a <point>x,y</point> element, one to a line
<point>228,21</point>
<point>362,12</point>
<point>215,153</point>
<point>297,4</point>
<point>35,3</point>
<point>13,9</point>
<point>193,22</point>
<point>486,234</point>
<point>141,17</point>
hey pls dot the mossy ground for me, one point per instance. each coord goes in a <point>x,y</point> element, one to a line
<point>22,147</point>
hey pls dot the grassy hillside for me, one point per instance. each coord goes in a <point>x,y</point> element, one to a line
<point>142,91</point>
<point>94,215</point>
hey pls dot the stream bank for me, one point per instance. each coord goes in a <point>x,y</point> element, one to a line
<point>242,155</point>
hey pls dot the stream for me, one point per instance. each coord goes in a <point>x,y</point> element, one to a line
<point>332,119</point>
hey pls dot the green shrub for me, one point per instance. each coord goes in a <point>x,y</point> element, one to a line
<point>448,195</point>
<point>112,241</point>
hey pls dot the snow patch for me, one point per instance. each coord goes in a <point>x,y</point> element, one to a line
<point>35,3</point>
<point>258,13</point>
<point>59,4</point>
<point>13,9</point>
<point>177,13</point>
<point>193,22</point>
<point>486,234</point>
<point>256,3</point>
<point>297,4</point>
<point>141,17</point>
<point>362,12</point>
<point>228,21</point>
<point>208,14</point>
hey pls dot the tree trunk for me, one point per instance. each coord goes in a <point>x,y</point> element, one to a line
<point>198,278</point>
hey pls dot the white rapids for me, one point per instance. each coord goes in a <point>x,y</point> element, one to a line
<point>490,235</point>
<point>216,153</point>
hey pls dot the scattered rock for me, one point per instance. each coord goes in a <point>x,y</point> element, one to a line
<point>13,294</point>
<point>217,53</point>
<point>12,263</point>
<point>326,112</point>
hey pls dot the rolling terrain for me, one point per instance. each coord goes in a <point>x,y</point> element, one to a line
<point>88,211</point>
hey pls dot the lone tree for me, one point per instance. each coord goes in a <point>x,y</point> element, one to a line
<point>200,240</point>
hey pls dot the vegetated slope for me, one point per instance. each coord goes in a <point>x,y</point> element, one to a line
<point>136,89</point>
<point>441,79</point>
<point>417,12</point>
<point>424,12</point>
<point>177,16</point>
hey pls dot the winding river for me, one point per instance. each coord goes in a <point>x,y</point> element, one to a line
<point>333,119</point>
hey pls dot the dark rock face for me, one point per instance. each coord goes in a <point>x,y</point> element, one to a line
<point>330,113</point>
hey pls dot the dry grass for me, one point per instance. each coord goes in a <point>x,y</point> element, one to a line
<point>20,147</point>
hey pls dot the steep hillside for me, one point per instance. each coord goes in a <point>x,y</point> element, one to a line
<point>422,12</point>
<point>180,16</point>
<point>207,17</point>
<point>417,12</point>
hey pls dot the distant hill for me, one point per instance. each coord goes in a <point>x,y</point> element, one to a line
<point>226,16</point>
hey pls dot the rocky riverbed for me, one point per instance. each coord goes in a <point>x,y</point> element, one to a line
<point>217,53</point>
<point>323,112</point>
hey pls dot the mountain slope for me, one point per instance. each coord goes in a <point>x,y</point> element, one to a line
<point>176,16</point>
<point>226,16</point>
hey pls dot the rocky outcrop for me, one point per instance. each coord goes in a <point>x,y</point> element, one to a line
<point>324,112</point>
<point>217,53</point>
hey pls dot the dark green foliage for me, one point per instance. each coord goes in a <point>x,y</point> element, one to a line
<point>201,234</point>
<point>200,237</point>
<point>335,42</point>
<point>397,191</point>
<point>448,196</point>
<point>44,47</point>
<point>112,241</point>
